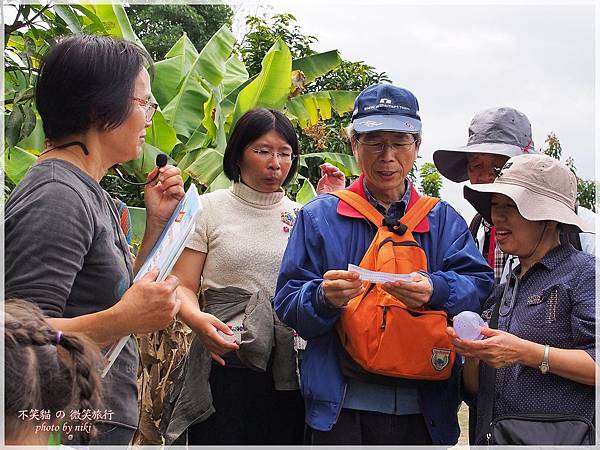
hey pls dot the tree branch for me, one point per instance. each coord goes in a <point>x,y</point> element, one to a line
<point>10,101</point>
<point>8,30</point>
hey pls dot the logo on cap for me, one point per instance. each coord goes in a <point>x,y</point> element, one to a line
<point>370,123</point>
<point>385,101</point>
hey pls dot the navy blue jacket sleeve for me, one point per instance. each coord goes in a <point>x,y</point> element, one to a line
<point>462,279</point>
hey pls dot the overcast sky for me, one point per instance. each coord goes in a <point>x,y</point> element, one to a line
<point>460,59</point>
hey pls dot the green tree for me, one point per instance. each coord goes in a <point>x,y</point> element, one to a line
<point>34,29</point>
<point>431,180</point>
<point>320,135</point>
<point>262,35</point>
<point>160,26</point>
<point>586,189</point>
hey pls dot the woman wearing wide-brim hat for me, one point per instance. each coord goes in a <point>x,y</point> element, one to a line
<point>538,356</point>
<point>495,135</point>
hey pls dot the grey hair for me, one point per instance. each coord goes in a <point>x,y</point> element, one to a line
<point>351,133</point>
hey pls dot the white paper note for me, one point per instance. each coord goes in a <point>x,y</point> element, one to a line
<point>379,277</point>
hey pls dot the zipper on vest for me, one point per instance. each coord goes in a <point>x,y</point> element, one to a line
<point>398,244</point>
<point>367,291</point>
<point>385,310</point>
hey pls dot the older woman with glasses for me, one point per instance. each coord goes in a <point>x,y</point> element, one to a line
<point>233,259</point>
<point>538,354</point>
<point>65,249</point>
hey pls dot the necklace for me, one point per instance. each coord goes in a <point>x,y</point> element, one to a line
<point>68,144</point>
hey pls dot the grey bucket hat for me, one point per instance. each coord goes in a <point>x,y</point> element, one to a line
<point>542,187</point>
<point>498,131</point>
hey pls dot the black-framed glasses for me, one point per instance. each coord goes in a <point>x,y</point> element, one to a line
<point>377,147</point>
<point>509,294</point>
<point>265,153</point>
<point>149,107</point>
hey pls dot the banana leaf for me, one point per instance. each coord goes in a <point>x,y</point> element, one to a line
<point>221,182</point>
<point>214,56</point>
<point>312,107</point>
<point>272,85</point>
<point>161,135</point>
<point>138,224</point>
<point>207,167</point>
<point>306,193</point>
<point>186,110</point>
<point>342,101</point>
<point>169,73</point>
<point>314,66</point>
<point>347,161</point>
<point>115,20</point>
<point>235,74</point>
<point>70,17</point>
<point>145,163</point>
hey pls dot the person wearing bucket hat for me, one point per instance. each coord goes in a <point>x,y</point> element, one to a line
<point>314,285</point>
<point>539,353</point>
<point>495,135</point>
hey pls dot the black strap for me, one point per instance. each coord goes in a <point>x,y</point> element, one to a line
<point>475,224</point>
<point>487,377</point>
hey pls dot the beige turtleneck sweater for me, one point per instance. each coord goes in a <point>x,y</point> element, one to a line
<point>244,234</point>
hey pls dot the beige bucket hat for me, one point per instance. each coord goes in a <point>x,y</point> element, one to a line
<point>542,187</point>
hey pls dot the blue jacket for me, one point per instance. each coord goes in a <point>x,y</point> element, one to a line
<point>324,238</point>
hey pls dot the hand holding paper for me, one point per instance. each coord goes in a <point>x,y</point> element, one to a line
<point>379,277</point>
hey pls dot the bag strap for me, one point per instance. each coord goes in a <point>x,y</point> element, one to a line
<point>485,410</point>
<point>475,224</point>
<point>360,204</point>
<point>411,219</point>
<point>418,211</point>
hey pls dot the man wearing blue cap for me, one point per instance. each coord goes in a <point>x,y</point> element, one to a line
<point>342,407</point>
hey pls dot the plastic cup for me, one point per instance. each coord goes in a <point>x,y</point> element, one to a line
<point>466,325</point>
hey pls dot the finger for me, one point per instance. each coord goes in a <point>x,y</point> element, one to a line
<point>176,308</point>
<point>340,275</point>
<point>176,192</point>
<point>171,282</point>
<point>338,287</point>
<point>151,275</point>
<point>217,358</point>
<point>152,173</point>
<point>220,326</point>
<point>489,332</point>
<point>173,180</point>
<point>170,177</point>
<point>167,168</point>
<point>408,288</point>
<point>216,343</point>
<point>350,293</point>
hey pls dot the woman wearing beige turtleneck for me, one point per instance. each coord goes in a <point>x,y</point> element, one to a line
<point>239,242</point>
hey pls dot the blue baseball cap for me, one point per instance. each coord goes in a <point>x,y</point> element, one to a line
<point>384,107</point>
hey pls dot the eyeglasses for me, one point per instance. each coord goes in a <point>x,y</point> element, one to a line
<point>263,153</point>
<point>378,147</point>
<point>149,107</point>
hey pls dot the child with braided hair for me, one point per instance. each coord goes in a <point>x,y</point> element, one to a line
<point>46,373</point>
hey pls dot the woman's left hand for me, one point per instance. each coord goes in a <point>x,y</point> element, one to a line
<point>497,349</point>
<point>162,196</point>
